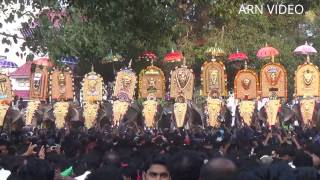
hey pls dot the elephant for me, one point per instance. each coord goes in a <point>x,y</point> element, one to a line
<point>285,115</point>
<point>256,122</point>
<point>194,118</point>
<point>132,120</point>
<point>14,119</point>
<point>315,117</point>
<point>224,118</point>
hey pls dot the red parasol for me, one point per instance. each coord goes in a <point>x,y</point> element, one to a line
<point>173,56</point>
<point>238,56</point>
<point>267,52</point>
<point>43,61</point>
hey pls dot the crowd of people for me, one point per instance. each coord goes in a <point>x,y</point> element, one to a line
<point>207,154</point>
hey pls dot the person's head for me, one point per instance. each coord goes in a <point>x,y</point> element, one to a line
<point>302,159</point>
<point>36,169</point>
<point>4,146</point>
<point>156,168</point>
<point>186,165</point>
<point>111,158</point>
<point>103,173</point>
<point>286,152</point>
<point>218,169</point>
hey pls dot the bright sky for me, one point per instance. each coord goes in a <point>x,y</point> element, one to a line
<point>13,28</point>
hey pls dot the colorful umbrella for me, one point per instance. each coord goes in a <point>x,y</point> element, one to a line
<point>267,52</point>
<point>8,64</point>
<point>173,56</point>
<point>214,52</point>
<point>43,61</point>
<point>149,56</point>
<point>111,57</point>
<point>238,56</point>
<point>70,60</point>
<point>305,50</point>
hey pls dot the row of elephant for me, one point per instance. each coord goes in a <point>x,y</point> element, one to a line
<point>133,119</point>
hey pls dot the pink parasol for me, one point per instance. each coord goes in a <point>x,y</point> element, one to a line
<point>43,61</point>
<point>173,56</point>
<point>305,50</point>
<point>267,52</point>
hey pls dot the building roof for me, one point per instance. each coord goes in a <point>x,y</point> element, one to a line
<point>24,70</point>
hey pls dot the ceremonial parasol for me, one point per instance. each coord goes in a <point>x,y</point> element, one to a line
<point>149,56</point>
<point>173,56</point>
<point>70,60</point>
<point>214,52</point>
<point>305,50</point>
<point>43,61</point>
<point>112,57</point>
<point>7,64</point>
<point>238,56</point>
<point>267,52</point>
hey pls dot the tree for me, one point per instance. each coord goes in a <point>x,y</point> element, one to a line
<point>90,29</point>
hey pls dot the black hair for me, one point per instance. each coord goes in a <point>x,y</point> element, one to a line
<point>186,165</point>
<point>109,172</point>
<point>218,169</point>
<point>302,159</point>
<point>155,159</point>
<point>36,169</point>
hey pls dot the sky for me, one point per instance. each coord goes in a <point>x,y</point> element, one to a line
<point>13,28</point>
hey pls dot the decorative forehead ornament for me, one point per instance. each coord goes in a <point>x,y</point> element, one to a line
<point>246,109</point>
<point>182,82</point>
<point>273,75</point>
<point>61,84</point>
<point>125,84</point>
<point>307,77</point>
<point>307,80</point>
<point>213,108</point>
<point>92,87</point>
<point>182,78</point>
<point>246,83</point>
<point>151,80</point>
<point>213,77</point>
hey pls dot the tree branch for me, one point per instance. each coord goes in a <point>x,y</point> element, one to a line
<point>10,35</point>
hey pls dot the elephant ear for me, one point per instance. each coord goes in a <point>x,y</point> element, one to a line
<point>287,114</point>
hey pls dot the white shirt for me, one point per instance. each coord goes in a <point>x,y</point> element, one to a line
<point>4,174</point>
<point>83,176</point>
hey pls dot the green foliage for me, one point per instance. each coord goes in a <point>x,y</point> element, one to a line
<point>92,28</point>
